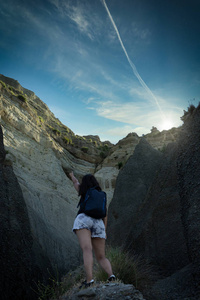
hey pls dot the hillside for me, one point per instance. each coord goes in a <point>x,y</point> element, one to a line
<point>21,111</point>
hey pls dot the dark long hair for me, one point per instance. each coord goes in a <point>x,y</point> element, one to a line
<point>88,181</point>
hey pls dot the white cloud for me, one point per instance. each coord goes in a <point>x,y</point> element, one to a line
<point>142,130</point>
<point>77,15</point>
<point>59,113</point>
<point>138,91</point>
<point>82,14</point>
<point>139,32</point>
<point>89,100</point>
<point>124,130</point>
<point>122,112</point>
<point>117,133</point>
<point>137,114</point>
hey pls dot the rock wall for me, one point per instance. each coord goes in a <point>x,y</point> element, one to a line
<point>22,260</point>
<point>40,164</point>
<point>108,170</point>
<point>131,187</point>
<point>189,186</point>
<point>155,211</point>
<point>145,210</point>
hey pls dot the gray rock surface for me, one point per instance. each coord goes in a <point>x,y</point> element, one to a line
<point>132,185</point>
<point>2,150</point>
<point>118,291</point>
<point>178,286</point>
<point>40,163</point>
<point>161,219</point>
<point>145,211</point>
<point>22,260</point>
<point>189,186</point>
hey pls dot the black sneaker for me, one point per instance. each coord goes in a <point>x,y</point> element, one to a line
<point>111,278</point>
<point>86,284</point>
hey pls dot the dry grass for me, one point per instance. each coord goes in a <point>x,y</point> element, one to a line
<point>56,288</point>
<point>127,268</point>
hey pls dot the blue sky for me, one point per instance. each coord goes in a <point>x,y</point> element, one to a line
<point>105,67</point>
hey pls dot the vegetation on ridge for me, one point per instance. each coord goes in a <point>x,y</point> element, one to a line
<point>45,119</point>
<point>190,112</point>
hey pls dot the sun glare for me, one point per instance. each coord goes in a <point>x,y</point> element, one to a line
<point>166,125</point>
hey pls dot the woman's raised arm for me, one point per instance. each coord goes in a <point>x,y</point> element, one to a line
<point>75,181</point>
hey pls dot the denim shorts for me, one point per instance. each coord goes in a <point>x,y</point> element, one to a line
<point>96,226</point>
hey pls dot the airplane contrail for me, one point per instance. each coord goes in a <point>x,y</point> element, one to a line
<point>129,60</point>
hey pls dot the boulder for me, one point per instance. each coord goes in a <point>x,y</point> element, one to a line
<point>101,291</point>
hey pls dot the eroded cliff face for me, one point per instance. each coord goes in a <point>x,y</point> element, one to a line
<point>23,261</point>
<point>189,187</point>
<point>145,210</point>
<point>38,163</point>
<point>155,210</point>
<point>41,151</point>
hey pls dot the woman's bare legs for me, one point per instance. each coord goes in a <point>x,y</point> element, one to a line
<point>84,238</point>
<point>99,250</point>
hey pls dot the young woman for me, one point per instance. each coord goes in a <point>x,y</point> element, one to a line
<point>91,232</point>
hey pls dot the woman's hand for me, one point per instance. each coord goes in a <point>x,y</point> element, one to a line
<point>71,174</point>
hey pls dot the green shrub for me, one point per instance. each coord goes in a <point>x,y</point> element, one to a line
<point>41,119</point>
<point>104,151</point>
<point>105,148</point>
<point>3,83</point>
<point>12,93</point>
<point>84,149</point>
<point>120,165</point>
<point>22,98</point>
<point>80,137</point>
<point>56,131</point>
<point>67,140</point>
<point>103,154</point>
